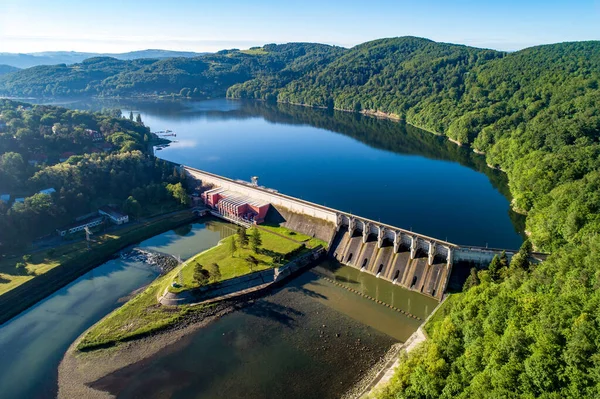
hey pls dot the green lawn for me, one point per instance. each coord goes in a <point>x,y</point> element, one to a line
<point>293,235</point>
<point>236,265</point>
<point>254,51</point>
<point>103,245</point>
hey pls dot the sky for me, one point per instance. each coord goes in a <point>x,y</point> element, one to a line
<point>119,26</point>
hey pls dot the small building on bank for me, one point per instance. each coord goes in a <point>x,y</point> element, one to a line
<point>114,215</point>
<point>235,205</point>
<point>80,225</point>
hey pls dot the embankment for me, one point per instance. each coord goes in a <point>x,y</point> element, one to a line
<point>29,293</point>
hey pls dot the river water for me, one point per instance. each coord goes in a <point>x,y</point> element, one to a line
<point>314,336</point>
<point>33,343</point>
<point>309,339</point>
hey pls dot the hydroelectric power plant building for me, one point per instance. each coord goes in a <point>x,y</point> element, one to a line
<point>403,257</point>
<point>235,205</point>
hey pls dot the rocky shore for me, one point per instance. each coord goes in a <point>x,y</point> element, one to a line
<point>163,263</point>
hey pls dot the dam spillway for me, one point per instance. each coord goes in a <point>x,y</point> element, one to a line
<point>384,262</point>
<point>412,260</point>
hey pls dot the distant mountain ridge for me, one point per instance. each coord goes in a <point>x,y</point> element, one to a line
<point>27,60</point>
<point>7,69</point>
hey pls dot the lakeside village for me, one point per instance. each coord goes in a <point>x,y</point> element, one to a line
<point>109,213</point>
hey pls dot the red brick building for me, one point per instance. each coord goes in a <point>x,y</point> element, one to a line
<point>236,205</point>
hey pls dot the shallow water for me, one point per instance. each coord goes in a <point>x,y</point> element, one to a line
<point>33,343</point>
<point>308,339</point>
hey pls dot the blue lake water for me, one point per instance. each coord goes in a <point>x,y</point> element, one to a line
<point>379,169</point>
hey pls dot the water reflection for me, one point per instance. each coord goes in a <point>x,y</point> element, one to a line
<point>380,169</point>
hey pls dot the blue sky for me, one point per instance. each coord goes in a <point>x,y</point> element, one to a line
<point>125,25</point>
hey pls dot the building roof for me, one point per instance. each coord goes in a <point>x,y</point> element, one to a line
<point>80,223</point>
<point>112,212</point>
<point>5,197</point>
<point>236,199</point>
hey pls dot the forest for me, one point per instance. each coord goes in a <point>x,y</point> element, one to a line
<point>205,76</point>
<point>50,147</point>
<point>518,330</point>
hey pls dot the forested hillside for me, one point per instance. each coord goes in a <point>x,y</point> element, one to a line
<point>87,159</point>
<point>206,76</point>
<point>7,69</point>
<point>519,330</point>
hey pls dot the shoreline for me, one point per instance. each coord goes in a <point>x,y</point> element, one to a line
<point>378,376</point>
<point>28,294</point>
<point>78,369</point>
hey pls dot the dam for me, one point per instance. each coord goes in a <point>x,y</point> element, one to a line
<point>409,259</point>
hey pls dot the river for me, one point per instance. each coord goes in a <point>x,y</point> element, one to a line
<point>33,343</point>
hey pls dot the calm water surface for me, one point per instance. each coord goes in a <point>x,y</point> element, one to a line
<point>375,168</point>
<point>33,343</point>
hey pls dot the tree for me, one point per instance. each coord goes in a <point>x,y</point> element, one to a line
<point>26,258</point>
<point>132,206</point>
<point>138,119</point>
<point>179,193</point>
<point>503,259</point>
<point>472,280</point>
<point>215,272</point>
<point>255,240</point>
<point>252,262</point>
<point>242,237</point>
<point>494,268</point>
<point>131,116</point>
<point>521,259</point>
<point>232,246</point>
<point>201,275</point>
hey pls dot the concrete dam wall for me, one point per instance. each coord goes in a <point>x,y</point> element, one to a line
<point>415,273</point>
<point>413,260</point>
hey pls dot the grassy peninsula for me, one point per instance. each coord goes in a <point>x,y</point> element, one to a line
<point>233,257</point>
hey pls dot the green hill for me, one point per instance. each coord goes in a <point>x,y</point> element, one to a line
<point>7,69</point>
<point>206,76</point>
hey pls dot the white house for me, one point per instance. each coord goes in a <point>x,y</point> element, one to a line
<point>113,215</point>
<point>80,226</point>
